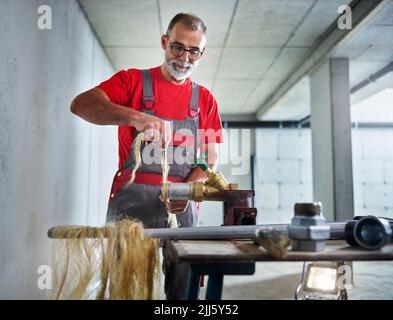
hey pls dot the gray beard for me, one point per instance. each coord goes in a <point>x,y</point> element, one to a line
<point>177,74</point>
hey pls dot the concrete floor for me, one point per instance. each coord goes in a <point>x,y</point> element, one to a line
<point>278,281</point>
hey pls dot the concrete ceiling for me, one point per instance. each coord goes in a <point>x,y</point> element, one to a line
<point>252,47</point>
<point>369,51</point>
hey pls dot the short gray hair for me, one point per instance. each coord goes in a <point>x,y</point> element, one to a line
<point>189,20</point>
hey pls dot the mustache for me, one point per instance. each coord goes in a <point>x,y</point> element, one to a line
<point>183,64</point>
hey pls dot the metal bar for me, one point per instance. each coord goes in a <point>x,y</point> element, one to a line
<point>193,285</point>
<point>260,124</point>
<point>374,77</point>
<point>209,233</point>
<point>303,123</point>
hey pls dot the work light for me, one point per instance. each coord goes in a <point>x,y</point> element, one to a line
<point>324,281</point>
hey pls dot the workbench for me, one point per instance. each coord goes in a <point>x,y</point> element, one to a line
<point>221,257</point>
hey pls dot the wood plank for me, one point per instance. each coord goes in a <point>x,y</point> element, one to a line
<point>230,251</point>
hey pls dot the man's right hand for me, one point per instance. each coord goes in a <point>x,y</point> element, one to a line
<point>94,106</point>
<point>155,129</point>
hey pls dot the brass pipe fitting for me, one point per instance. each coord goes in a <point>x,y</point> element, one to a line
<point>195,191</point>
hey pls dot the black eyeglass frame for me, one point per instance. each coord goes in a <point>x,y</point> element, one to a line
<point>178,46</point>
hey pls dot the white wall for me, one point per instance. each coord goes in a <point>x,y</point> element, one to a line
<point>54,168</point>
<point>373,171</point>
<point>284,172</point>
<point>235,163</point>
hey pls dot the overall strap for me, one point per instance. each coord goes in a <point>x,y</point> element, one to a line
<point>147,107</point>
<point>194,102</point>
<point>147,93</point>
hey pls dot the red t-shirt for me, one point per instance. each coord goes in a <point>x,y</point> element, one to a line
<point>171,101</point>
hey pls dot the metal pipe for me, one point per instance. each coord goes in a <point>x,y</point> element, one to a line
<point>213,233</point>
<point>179,191</point>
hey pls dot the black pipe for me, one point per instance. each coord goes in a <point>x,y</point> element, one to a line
<point>368,232</point>
<point>303,123</point>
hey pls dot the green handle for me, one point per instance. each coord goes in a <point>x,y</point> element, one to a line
<point>201,162</point>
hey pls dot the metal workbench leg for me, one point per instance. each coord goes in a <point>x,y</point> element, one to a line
<point>214,287</point>
<point>193,285</point>
<point>215,272</point>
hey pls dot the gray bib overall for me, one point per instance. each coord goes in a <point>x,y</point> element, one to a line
<point>141,200</point>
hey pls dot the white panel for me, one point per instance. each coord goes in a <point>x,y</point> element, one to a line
<point>358,195</point>
<point>371,195</point>
<point>357,167</point>
<point>266,141</point>
<point>268,171</point>
<point>378,195</point>
<point>388,144</point>
<point>267,147</point>
<point>356,145</point>
<point>372,148</point>
<point>378,211</point>
<point>289,145</point>
<point>270,216</point>
<point>291,194</point>
<point>305,144</point>
<point>289,171</point>
<point>388,172</point>
<point>362,211</point>
<point>372,171</point>
<point>306,171</point>
<point>267,196</point>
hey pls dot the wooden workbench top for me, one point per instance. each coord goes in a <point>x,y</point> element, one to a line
<point>227,251</point>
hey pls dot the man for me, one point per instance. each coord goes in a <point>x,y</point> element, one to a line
<point>161,100</point>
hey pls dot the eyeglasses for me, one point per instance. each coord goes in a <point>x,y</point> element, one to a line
<point>178,50</point>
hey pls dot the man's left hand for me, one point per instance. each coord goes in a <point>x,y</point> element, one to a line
<point>178,206</point>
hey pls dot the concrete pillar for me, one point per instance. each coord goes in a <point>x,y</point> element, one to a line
<point>331,139</point>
